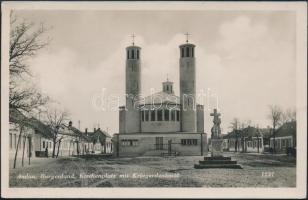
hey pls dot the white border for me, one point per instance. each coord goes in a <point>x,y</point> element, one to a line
<point>301,95</point>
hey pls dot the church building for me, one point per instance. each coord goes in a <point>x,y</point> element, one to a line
<point>162,123</point>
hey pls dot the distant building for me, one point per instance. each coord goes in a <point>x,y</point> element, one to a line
<point>99,141</point>
<point>285,137</point>
<point>162,123</point>
<point>249,139</point>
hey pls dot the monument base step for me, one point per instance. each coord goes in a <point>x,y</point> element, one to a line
<point>217,162</point>
<point>210,162</point>
<point>216,158</point>
<point>208,166</point>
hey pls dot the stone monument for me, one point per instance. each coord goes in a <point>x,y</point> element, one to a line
<point>217,160</point>
<point>216,139</point>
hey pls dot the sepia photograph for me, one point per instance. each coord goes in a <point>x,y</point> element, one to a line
<point>160,99</point>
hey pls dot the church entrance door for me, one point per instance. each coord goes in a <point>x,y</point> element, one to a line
<point>169,147</point>
<point>159,143</point>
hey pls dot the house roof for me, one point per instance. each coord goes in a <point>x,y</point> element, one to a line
<point>97,132</point>
<point>16,116</point>
<point>248,132</point>
<point>287,129</point>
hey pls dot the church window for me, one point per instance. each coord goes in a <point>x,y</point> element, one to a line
<point>189,142</point>
<point>130,142</point>
<point>159,115</point>
<point>170,88</point>
<point>43,144</point>
<point>152,115</point>
<point>182,52</point>
<point>127,53</point>
<point>177,115</point>
<point>146,115</point>
<point>187,51</point>
<point>142,115</point>
<point>172,115</point>
<point>133,54</point>
<point>166,115</point>
<point>137,54</point>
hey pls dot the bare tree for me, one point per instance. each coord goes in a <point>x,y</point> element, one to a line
<point>235,125</point>
<point>275,116</point>
<point>242,134</point>
<point>25,41</point>
<point>55,120</point>
<point>59,144</point>
<point>288,116</point>
<point>21,127</point>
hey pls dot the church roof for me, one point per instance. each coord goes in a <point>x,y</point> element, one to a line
<point>161,97</point>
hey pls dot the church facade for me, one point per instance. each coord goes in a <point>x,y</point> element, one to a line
<point>162,123</point>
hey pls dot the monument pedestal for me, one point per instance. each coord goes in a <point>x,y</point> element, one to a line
<point>217,147</point>
<point>217,160</point>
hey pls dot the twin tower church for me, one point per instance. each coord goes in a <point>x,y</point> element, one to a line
<point>162,123</point>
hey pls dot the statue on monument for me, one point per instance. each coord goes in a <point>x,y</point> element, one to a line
<point>216,131</point>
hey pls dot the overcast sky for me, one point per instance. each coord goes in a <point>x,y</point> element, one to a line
<point>246,58</point>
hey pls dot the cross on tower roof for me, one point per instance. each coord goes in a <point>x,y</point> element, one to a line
<point>187,34</point>
<point>133,36</point>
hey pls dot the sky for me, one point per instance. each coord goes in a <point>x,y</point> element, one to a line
<point>244,59</point>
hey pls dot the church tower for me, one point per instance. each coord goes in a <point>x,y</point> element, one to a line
<point>168,87</point>
<point>188,87</point>
<point>133,88</point>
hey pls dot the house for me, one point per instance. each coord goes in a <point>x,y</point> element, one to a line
<point>35,136</point>
<point>99,141</point>
<point>285,137</point>
<point>249,139</point>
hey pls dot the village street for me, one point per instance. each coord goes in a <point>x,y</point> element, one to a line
<point>258,171</point>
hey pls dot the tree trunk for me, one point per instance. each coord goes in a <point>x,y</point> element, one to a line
<point>23,151</point>
<point>69,149</point>
<point>58,148</point>
<point>30,142</point>
<point>17,147</point>
<point>274,138</point>
<point>54,147</point>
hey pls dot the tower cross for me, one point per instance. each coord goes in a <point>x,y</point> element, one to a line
<point>187,35</point>
<point>133,38</point>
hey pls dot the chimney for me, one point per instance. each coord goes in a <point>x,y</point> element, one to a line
<point>86,130</point>
<point>70,123</point>
<point>94,129</point>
